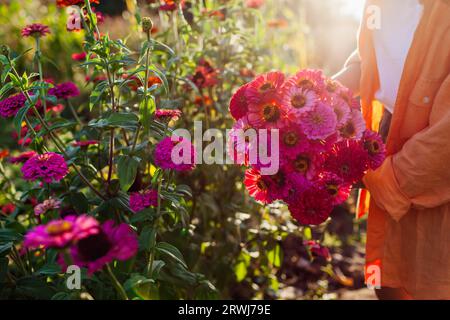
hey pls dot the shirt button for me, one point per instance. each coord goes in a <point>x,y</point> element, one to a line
<point>426,100</point>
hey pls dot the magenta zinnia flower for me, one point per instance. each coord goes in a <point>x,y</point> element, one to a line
<point>292,141</point>
<point>11,105</point>
<point>239,104</point>
<point>144,199</point>
<point>168,158</point>
<point>375,147</point>
<point>108,244</point>
<point>35,30</point>
<point>49,167</point>
<point>349,160</point>
<point>64,90</point>
<point>319,122</point>
<point>265,88</point>
<point>61,233</point>
<point>338,190</point>
<point>311,207</point>
<point>305,163</point>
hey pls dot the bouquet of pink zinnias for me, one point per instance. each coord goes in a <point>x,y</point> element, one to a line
<point>324,147</point>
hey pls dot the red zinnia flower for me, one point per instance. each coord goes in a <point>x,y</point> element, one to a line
<point>264,87</point>
<point>255,4</point>
<point>311,207</point>
<point>238,103</point>
<point>257,185</point>
<point>349,160</point>
<point>23,157</point>
<point>79,56</point>
<point>375,147</point>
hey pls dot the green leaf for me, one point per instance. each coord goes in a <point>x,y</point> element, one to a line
<point>171,251</point>
<point>275,256</point>
<point>127,167</point>
<point>119,120</point>
<point>20,116</point>
<point>5,89</point>
<point>147,238</point>
<point>4,248</point>
<point>49,269</point>
<point>146,110</point>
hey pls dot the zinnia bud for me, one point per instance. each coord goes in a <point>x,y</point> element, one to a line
<point>147,24</point>
<point>4,50</point>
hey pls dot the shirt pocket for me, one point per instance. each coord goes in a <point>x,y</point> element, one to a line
<point>420,103</point>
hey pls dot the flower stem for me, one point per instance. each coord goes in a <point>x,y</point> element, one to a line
<point>155,226</point>
<point>41,73</point>
<point>120,290</point>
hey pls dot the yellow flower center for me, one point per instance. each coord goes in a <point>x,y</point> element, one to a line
<point>271,113</point>
<point>298,101</point>
<point>58,227</point>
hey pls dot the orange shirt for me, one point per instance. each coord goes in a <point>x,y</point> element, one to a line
<point>409,215</point>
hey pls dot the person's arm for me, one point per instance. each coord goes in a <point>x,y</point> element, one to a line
<point>418,175</point>
<point>350,75</point>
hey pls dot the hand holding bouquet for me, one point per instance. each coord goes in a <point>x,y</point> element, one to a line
<point>324,147</point>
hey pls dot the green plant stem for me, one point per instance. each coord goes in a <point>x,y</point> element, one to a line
<point>120,290</point>
<point>135,139</point>
<point>155,226</point>
<point>41,73</point>
<point>91,17</point>
<point>112,138</point>
<point>74,113</point>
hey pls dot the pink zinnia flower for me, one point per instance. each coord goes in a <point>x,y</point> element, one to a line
<point>297,184</point>
<point>144,199</point>
<point>375,147</point>
<point>355,126</point>
<point>309,80</point>
<point>336,187</point>
<point>269,114</point>
<point>35,30</point>
<point>64,90</point>
<point>238,144</point>
<point>85,143</point>
<point>11,105</point>
<point>167,114</point>
<point>349,160</point>
<point>257,185</point>
<point>299,100</point>
<point>311,207</point>
<point>319,122</point>
<point>49,167</point>
<point>266,87</point>
<point>164,154</point>
<point>239,104</point>
<point>61,233</point>
<point>347,96</point>
<point>108,244</point>
<point>47,205</point>
<point>341,109</point>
